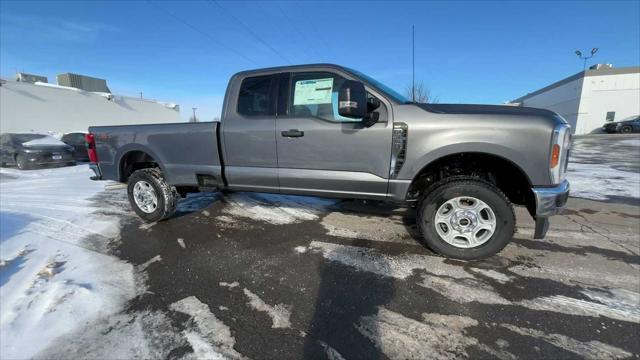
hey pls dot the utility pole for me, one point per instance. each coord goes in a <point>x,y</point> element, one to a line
<point>413,64</point>
<point>194,114</point>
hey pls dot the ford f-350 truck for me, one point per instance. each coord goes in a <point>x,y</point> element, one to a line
<point>326,130</point>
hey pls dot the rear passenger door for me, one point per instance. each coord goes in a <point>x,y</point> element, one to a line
<point>249,142</point>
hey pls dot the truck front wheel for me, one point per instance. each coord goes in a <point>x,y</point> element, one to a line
<point>150,196</point>
<point>466,218</point>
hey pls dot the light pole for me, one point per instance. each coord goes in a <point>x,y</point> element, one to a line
<point>585,58</point>
<point>194,114</point>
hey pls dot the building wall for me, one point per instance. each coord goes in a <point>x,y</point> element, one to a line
<point>27,107</point>
<point>603,93</point>
<point>564,99</point>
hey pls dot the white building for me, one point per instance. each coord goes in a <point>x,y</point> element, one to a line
<point>590,98</point>
<point>43,108</point>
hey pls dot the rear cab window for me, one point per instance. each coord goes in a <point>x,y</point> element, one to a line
<point>255,96</point>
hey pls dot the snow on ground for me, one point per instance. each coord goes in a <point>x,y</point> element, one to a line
<point>209,337</point>
<point>599,167</point>
<point>55,273</point>
<point>276,209</point>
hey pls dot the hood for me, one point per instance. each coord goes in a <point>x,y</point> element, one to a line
<point>485,109</point>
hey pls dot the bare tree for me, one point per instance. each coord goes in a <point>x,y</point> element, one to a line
<point>420,94</point>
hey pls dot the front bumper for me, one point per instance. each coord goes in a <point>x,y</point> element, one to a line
<point>96,171</point>
<point>549,201</point>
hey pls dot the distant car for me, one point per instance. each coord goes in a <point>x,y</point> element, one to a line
<point>32,150</point>
<point>77,140</point>
<point>624,126</point>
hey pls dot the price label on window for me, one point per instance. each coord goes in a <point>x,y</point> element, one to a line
<point>314,91</point>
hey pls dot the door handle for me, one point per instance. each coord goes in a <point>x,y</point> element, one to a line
<point>292,133</point>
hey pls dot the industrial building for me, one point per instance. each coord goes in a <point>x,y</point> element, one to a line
<point>590,98</point>
<point>49,108</point>
<point>30,78</point>
<point>83,82</point>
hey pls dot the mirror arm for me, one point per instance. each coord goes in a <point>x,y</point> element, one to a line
<point>371,118</point>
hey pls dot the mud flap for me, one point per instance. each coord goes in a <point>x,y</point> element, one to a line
<point>542,225</point>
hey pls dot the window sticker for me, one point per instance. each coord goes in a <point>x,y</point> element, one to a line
<point>314,91</point>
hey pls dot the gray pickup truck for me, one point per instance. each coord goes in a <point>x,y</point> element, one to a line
<point>326,130</point>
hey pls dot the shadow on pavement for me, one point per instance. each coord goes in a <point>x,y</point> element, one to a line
<point>344,296</point>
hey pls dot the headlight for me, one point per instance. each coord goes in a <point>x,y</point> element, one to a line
<point>560,145</point>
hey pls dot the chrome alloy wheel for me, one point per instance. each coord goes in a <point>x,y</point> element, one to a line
<point>465,222</point>
<point>145,196</point>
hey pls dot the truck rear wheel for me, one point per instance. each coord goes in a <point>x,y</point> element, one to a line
<point>466,218</point>
<point>150,196</point>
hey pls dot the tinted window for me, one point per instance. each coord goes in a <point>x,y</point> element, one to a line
<point>254,97</point>
<point>316,95</point>
<point>611,115</point>
<point>74,138</point>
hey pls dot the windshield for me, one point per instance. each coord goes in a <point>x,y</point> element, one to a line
<point>396,96</point>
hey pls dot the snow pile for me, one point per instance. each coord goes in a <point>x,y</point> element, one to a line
<point>600,182</point>
<point>279,314</point>
<point>55,273</point>
<point>587,350</point>
<point>209,337</point>
<point>399,337</point>
<point>45,140</point>
<point>600,171</point>
<point>276,209</point>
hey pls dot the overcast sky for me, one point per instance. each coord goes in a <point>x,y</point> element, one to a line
<point>474,52</point>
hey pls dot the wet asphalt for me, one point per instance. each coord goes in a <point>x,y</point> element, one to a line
<point>328,298</point>
<point>333,296</point>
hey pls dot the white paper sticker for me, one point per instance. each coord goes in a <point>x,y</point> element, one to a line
<point>314,91</point>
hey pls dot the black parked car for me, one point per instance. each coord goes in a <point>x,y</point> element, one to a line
<point>624,126</point>
<point>77,140</point>
<point>32,150</point>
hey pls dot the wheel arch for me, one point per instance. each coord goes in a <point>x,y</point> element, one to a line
<point>136,157</point>
<point>503,172</point>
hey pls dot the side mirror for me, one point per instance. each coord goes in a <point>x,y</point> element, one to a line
<point>352,100</point>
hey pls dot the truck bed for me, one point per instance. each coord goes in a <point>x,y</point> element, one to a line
<point>188,153</point>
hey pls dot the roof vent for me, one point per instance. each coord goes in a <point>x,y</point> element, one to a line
<point>601,66</point>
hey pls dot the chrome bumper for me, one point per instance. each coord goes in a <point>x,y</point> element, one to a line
<point>549,202</point>
<point>96,170</point>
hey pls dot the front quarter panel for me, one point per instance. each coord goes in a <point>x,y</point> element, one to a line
<point>522,139</point>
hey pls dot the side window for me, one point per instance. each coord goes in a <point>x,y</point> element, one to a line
<point>254,98</point>
<point>316,95</point>
<point>611,115</point>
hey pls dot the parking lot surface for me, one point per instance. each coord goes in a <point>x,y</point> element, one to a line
<point>244,275</point>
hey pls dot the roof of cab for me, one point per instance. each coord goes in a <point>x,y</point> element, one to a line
<point>290,67</point>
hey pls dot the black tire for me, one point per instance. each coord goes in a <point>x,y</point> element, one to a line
<point>22,162</point>
<point>626,129</point>
<point>167,196</point>
<point>451,188</point>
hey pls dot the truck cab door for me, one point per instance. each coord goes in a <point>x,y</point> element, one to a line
<point>322,153</point>
<point>248,129</point>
